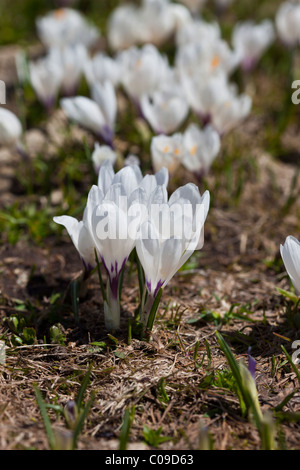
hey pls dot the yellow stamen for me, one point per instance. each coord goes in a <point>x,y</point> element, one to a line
<point>215,62</point>
<point>60,13</point>
<point>166,149</point>
<point>193,150</point>
<point>176,152</point>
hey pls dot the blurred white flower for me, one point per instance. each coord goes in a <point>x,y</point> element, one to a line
<point>154,21</point>
<point>46,77</point>
<point>288,23</point>
<point>198,30</point>
<point>97,114</point>
<point>165,109</point>
<point>70,60</point>
<point>66,26</point>
<point>205,95</point>
<point>181,16</point>
<point>290,253</point>
<point>167,151</point>
<point>159,19</point>
<point>102,153</point>
<point>122,28</point>
<point>141,70</point>
<point>194,5</point>
<point>205,58</point>
<point>201,146</point>
<point>229,114</point>
<point>217,101</point>
<point>10,128</point>
<point>251,40</point>
<point>102,68</point>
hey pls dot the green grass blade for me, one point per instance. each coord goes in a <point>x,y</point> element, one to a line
<point>45,417</point>
<point>290,360</point>
<point>126,426</point>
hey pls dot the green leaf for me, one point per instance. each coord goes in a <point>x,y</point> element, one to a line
<point>290,295</point>
<point>46,419</point>
<point>83,387</point>
<point>126,426</point>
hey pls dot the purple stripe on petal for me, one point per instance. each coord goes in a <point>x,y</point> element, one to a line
<point>107,135</point>
<point>104,264</point>
<point>114,286</point>
<point>159,285</point>
<point>87,269</point>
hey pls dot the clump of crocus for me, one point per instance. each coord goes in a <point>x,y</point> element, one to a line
<point>114,211</point>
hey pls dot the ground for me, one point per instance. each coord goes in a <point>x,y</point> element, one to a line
<point>179,380</point>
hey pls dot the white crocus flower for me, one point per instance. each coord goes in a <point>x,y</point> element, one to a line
<point>81,239</point>
<point>102,68</point>
<point>123,27</point>
<point>251,40</point>
<point>198,30</point>
<point>201,146</point>
<point>231,112</point>
<point>288,23</point>
<point>165,109</point>
<point>102,153</point>
<point>66,26</point>
<point>158,21</point>
<point>153,21</point>
<point>46,77</point>
<point>172,232</point>
<point>141,70</point>
<point>70,60</point>
<point>10,128</point>
<point>196,59</point>
<point>215,100</point>
<point>181,16</point>
<point>98,114</point>
<point>290,253</point>
<point>167,151</point>
<point>114,212</point>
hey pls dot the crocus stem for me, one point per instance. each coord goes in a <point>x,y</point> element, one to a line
<point>112,307</point>
<point>146,311</point>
